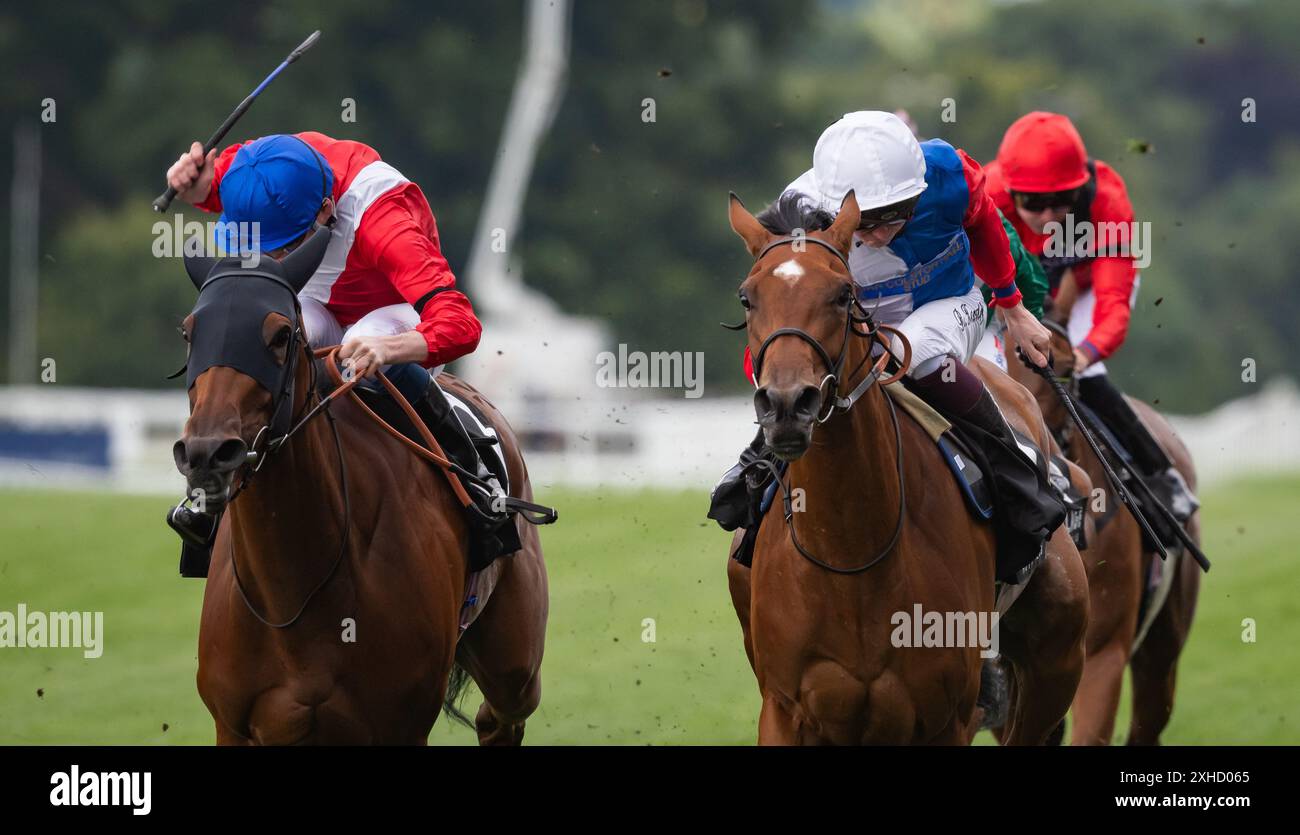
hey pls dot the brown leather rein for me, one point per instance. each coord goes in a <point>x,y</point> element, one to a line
<point>433,453</point>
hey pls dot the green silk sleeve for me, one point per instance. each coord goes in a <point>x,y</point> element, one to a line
<point>1030,277</point>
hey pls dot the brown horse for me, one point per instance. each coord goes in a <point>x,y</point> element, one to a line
<point>1118,565</point>
<point>883,528</point>
<point>333,608</point>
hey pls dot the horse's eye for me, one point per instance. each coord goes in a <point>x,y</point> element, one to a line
<point>845,298</point>
<point>744,301</point>
<point>184,334</point>
<point>281,338</point>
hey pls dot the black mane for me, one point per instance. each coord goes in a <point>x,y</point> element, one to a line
<point>790,212</point>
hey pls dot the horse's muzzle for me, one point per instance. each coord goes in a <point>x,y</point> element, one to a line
<point>787,417</point>
<point>208,464</point>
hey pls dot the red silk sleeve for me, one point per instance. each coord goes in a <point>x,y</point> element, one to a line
<point>990,251</point>
<point>400,238</point>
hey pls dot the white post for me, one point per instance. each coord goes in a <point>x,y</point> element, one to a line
<point>533,104</point>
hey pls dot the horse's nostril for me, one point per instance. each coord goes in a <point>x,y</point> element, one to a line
<point>808,401</point>
<point>762,402</point>
<point>229,455</point>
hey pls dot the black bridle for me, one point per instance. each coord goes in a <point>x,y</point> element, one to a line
<point>257,459</point>
<point>277,431</point>
<point>855,315</point>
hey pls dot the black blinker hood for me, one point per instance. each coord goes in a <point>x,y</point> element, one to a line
<point>234,301</point>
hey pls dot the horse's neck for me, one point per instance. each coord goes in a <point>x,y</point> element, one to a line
<point>850,481</point>
<point>287,526</point>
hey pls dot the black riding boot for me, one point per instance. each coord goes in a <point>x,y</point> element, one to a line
<point>1028,507</point>
<point>736,500</point>
<point>492,529</point>
<point>1168,485</point>
<point>197,530</point>
<point>731,501</point>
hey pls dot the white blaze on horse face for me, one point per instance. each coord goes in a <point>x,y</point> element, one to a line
<point>790,271</point>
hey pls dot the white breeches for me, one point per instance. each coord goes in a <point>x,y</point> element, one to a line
<point>944,326</point>
<point>323,329</point>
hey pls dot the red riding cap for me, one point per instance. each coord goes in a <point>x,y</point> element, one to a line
<point>1043,152</point>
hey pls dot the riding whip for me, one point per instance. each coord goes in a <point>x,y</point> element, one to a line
<point>1120,488</point>
<point>164,200</point>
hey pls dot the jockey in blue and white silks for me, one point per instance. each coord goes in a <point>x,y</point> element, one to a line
<point>921,270</point>
<point>927,237</point>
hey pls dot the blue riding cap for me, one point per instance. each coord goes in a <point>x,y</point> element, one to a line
<point>277,182</point>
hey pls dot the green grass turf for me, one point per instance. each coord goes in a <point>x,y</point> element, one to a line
<point>615,560</point>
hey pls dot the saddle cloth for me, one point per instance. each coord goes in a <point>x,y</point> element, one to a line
<point>969,476</point>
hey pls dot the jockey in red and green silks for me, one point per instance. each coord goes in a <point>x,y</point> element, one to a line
<point>1044,182</point>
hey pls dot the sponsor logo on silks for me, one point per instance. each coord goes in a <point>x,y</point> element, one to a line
<point>1086,239</point>
<point>919,628</point>
<point>22,629</point>
<point>103,788</point>
<point>656,369</point>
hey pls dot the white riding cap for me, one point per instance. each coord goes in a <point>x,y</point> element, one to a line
<point>872,153</point>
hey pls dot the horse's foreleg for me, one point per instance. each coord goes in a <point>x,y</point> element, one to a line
<point>1155,664</point>
<point>1047,627</point>
<point>225,736</point>
<point>1115,588</point>
<point>502,650</point>
<point>1097,700</point>
<point>738,577</point>
<point>777,724</point>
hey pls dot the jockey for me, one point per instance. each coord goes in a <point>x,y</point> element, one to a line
<point>928,230</point>
<point>384,290</point>
<point>1042,176</point>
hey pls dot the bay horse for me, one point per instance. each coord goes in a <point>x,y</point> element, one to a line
<point>337,592</point>
<point>1118,564</point>
<point>883,529</point>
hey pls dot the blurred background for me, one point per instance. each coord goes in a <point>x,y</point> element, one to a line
<point>603,141</point>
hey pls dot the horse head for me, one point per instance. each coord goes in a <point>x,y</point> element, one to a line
<point>799,286</point>
<point>245,339</point>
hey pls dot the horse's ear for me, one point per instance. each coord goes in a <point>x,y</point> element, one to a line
<point>198,267</point>
<point>840,235</point>
<point>747,226</point>
<point>301,264</point>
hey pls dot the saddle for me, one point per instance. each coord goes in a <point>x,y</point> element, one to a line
<point>389,408</point>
